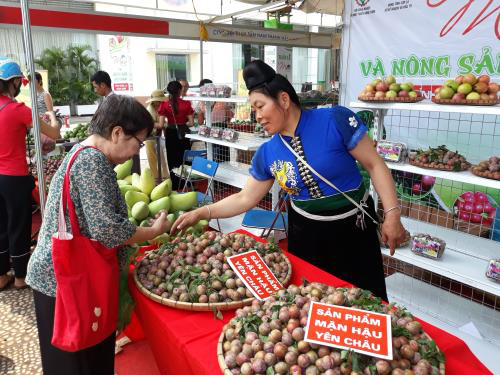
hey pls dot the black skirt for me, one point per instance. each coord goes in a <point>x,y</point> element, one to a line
<point>340,248</point>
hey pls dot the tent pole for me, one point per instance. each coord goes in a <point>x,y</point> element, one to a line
<point>28,50</point>
<point>201,59</point>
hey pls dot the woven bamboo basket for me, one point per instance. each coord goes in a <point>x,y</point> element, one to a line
<point>427,166</point>
<point>482,102</point>
<point>227,371</point>
<point>204,306</point>
<point>481,174</point>
<point>391,100</point>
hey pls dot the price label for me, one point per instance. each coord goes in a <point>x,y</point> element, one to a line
<point>255,274</point>
<point>341,327</point>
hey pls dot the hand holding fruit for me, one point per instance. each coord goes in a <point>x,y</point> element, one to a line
<point>161,224</point>
<point>393,232</point>
<point>189,219</point>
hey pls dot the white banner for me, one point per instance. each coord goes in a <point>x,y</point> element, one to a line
<point>425,42</point>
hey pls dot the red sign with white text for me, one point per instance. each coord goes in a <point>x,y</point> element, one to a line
<point>255,274</point>
<point>341,327</point>
<point>120,87</point>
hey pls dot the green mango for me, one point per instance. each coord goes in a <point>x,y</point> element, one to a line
<point>158,205</point>
<point>147,181</point>
<point>184,201</point>
<point>162,190</point>
<point>171,218</point>
<point>133,221</point>
<point>140,210</point>
<point>123,170</point>
<point>122,182</point>
<point>125,188</point>
<point>136,181</point>
<point>128,179</point>
<point>132,197</point>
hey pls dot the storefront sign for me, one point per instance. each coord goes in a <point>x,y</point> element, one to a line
<point>233,34</point>
<point>423,42</point>
<point>255,274</point>
<point>362,331</point>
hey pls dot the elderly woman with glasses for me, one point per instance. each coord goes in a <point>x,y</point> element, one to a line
<point>117,132</point>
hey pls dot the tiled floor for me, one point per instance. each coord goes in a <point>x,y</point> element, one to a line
<point>19,350</point>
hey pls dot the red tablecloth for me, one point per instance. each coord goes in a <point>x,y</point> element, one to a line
<point>185,342</point>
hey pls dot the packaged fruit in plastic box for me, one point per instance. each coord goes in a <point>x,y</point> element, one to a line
<point>468,87</point>
<point>475,208</point>
<point>428,246</point>
<point>493,270</point>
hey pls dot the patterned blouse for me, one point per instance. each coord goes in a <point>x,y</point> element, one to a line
<point>100,208</point>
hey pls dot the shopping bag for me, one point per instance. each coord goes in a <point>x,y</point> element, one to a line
<point>87,275</point>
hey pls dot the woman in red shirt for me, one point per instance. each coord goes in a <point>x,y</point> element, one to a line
<point>179,115</point>
<point>16,183</point>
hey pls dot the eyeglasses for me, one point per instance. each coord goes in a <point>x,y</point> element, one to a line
<point>141,143</point>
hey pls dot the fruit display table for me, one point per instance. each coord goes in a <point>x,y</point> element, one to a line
<point>185,342</point>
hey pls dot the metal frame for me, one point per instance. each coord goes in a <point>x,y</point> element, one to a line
<point>181,174</point>
<point>28,51</point>
<point>282,204</point>
<point>209,188</point>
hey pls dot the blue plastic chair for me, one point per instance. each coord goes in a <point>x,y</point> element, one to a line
<point>268,220</point>
<point>207,169</point>
<point>188,157</point>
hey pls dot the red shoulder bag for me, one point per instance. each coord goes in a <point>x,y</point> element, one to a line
<point>87,278</point>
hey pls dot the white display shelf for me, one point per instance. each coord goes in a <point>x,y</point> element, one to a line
<point>245,144</point>
<point>457,262</point>
<point>465,176</point>
<point>232,99</point>
<point>232,173</point>
<point>449,312</point>
<point>428,106</point>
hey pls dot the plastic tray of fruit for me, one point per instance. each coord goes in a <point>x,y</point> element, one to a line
<point>493,270</point>
<point>191,272</point>
<point>488,168</point>
<point>428,246</point>
<point>439,158</point>
<point>268,337</point>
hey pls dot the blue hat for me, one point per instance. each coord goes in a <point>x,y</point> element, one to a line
<point>9,69</point>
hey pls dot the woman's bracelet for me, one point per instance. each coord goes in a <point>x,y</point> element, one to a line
<point>391,209</point>
<point>209,213</point>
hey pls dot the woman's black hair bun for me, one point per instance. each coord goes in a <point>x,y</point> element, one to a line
<point>257,73</point>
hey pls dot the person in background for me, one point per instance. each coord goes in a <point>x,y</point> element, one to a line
<point>153,105</point>
<point>185,87</point>
<point>221,116</point>
<point>16,184</point>
<point>117,130</point>
<point>101,81</point>
<point>46,111</point>
<point>179,115</point>
<point>312,156</point>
